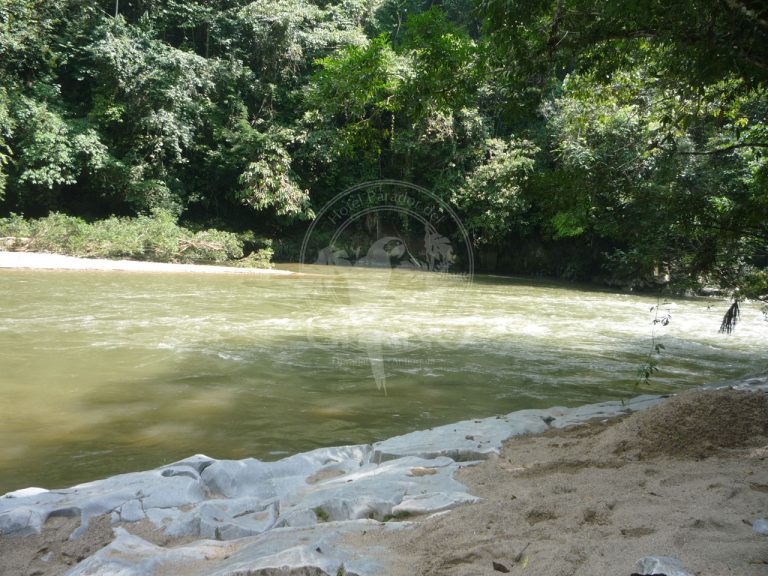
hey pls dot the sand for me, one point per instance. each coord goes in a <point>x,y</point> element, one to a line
<point>52,553</point>
<point>685,478</point>
<point>40,261</point>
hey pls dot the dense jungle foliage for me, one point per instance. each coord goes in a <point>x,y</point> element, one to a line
<point>623,141</point>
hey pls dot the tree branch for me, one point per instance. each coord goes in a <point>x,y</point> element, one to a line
<point>744,10</point>
<point>724,150</point>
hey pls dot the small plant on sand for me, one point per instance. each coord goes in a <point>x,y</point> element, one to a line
<point>321,514</point>
<point>402,515</point>
<point>661,316</point>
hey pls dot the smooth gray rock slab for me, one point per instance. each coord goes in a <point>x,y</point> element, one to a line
<point>230,519</point>
<point>231,478</point>
<point>472,440</point>
<point>316,550</point>
<point>22,521</point>
<point>660,565</point>
<point>564,417</point>
<point>126,497</point>
<point>466,441</point>
<point>760,526</point>
<point>129,555</point>
<point>226,499</point>
<point>374,490</point>
<point>320,547</point>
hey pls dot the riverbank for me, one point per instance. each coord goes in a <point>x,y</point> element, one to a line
<point>685,479</point>
<point>41,261</point>
<point>681,477</point>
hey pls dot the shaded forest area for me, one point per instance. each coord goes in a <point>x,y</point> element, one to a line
<point>620,141</point>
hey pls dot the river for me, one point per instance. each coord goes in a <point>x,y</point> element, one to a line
<point>109,372</point>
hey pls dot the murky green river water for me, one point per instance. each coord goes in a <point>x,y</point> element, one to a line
<point>104,372</point>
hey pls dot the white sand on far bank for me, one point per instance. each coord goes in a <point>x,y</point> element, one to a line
<point>40,261</point>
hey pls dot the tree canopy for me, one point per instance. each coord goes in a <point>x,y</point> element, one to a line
<point>619,141</point>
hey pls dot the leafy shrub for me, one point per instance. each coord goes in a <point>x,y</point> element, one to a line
<point>211,246</point>
<point>157,237</point>
<point>14,231</point>
<point>58,233</point>
<point>261,258</point>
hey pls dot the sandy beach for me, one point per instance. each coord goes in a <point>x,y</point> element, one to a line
<point>686,479</point>
<point>40,261</point>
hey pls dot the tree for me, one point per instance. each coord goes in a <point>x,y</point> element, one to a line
<point>491,197</point>
<point>655,132</point>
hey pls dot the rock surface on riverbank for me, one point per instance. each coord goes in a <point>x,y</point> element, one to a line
<point>380,509</point>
